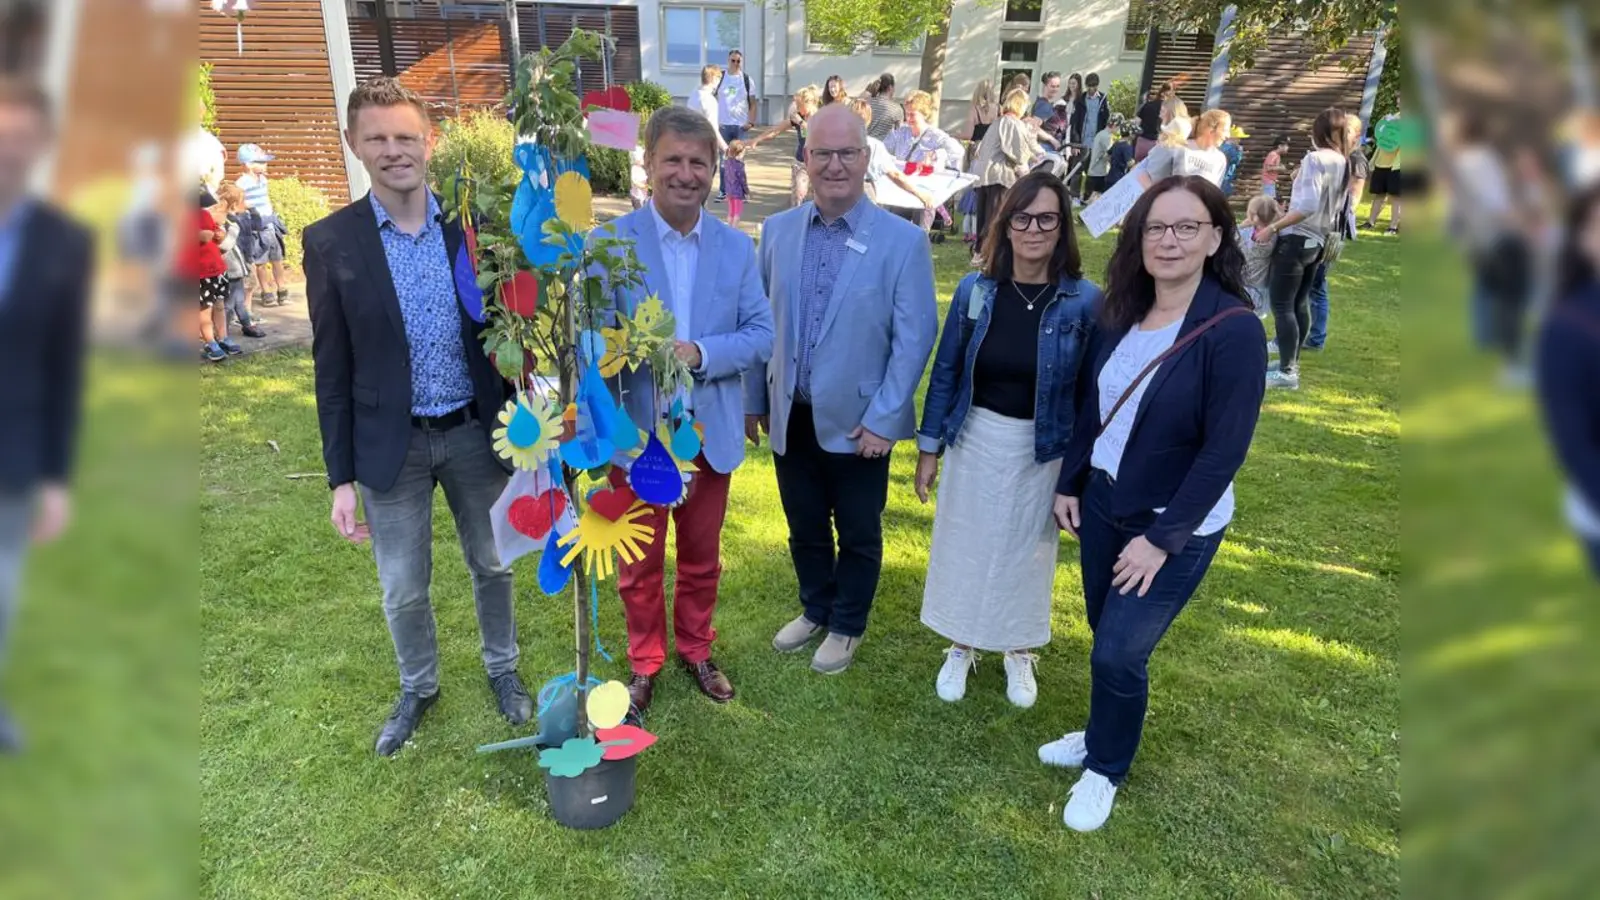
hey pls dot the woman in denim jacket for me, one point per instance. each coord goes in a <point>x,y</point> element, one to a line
<point>1000,400</point>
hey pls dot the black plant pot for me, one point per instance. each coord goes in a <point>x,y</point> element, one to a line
<point>595,799</point>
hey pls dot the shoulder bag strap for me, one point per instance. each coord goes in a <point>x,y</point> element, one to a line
<point>1170,352</point>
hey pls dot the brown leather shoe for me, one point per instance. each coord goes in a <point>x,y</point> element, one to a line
<point>712,682</point>
<point>641,689</point>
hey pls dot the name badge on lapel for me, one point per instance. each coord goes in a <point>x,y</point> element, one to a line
<point>859,248</point>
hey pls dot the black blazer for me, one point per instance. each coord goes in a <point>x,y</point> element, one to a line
<point>1084,132</point>
<point>43,318</point>
<point>358,343</point>
<point>1194,423</point>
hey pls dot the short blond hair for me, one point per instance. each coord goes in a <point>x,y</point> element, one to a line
<point>921,101</point>
<point>1016,101</point>
<point>863,109</point>
<point>710,73</point>
<point>809,95</point>
<point>1213,121</point>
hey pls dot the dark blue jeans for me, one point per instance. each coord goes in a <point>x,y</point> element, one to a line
<point>1319,308</point>
<point>1126,627</point>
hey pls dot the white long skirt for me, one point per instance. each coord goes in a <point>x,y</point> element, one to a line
<point>993,561</point>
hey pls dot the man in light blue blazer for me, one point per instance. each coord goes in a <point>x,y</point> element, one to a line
<point>852,298</point>
<point>705,274</point>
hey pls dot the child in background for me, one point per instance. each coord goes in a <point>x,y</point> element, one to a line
<point>1261,212</point>
<point>202,262</point>
<point>1272,166</point>
<point>1121,155</point>
<point>734,181</point>
<point>1100,157</point>
<point>638,179</point>
<point>270,237</point>
<point>233,219</point>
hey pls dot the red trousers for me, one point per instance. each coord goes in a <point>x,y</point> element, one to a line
<point>698,521</point>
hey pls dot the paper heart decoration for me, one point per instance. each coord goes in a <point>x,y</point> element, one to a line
<point>613,502</point>
<point>611,98</point>
<point>521,294</point>
<point>534,516</point>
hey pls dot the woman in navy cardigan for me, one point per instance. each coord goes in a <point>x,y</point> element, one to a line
<point>1147,486</point>
<point>1569,368</point>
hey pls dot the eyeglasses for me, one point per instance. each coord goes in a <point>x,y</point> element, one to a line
<point>825,158</point>
<point>736,59</point>
<point>1020,221</point>
<point>1184,231</point>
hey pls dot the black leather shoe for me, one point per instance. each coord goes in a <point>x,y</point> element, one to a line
<point>10,735</point>
<point>512,697</point>
<point>403,721</point>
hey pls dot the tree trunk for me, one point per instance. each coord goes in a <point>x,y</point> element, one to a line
<point>580,579</point>
<point>933,48</point>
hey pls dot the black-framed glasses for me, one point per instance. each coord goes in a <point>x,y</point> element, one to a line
<point>1187,230</point>
<point>847,155</point>
<point>1022,221</point>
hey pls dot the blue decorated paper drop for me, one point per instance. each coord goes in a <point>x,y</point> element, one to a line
<point>654,476</point>
<point>624,434</point>
<point>686,441</point>
<point>591,347</point>
<point>523,430</point>
<point>467,284</point>
<point>553,576</point>
<point>586,449</point>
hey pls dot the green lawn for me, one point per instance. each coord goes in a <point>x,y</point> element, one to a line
<point>1270,766</point>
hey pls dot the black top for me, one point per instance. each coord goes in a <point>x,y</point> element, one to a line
<point>1006,372</point>
<point>1150,120</point>
<point>979,129</point>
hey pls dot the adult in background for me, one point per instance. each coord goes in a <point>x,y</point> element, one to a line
<point>1360,169</point>
<point>705,273</point>
<point>807,101</point>
<point>46,270</point>
<point>1004,156</point>
<point>1090,116</point>
<point>999,408</point>
<point>852,297</point>
<point>983,108</point>
<point>1314,213</point>
<point>705,102</point>
<point>1201,156</point>
<point>1049,90</point>
<point>887,114</point>
<point>736,104</point>
<point>1168,407</point>
<point>833,90</point>
<point>1149,116</point>
<point>881,164</point>
<point>403,394</point>
<point>920,141</point>
<point>1568,361</point>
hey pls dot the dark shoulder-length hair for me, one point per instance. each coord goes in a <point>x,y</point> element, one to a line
<point>1130,291</point>
<point>1575,271</point>
<point>1065,262</point>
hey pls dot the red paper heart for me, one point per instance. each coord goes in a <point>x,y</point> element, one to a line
<point>638,740</point>
<point>521,294</point>
<point>611,98</point>
<point>535,516</point>
<point>613,502</point>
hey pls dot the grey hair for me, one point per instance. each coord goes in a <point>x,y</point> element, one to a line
<point>838,110</point>
<point>683,122</point>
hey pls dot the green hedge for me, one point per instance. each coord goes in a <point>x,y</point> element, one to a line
<point>609,170</point>
<point>298,204</point>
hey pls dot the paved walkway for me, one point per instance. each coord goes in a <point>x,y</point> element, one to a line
<point>767,169</point>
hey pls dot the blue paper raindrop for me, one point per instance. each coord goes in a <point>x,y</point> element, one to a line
<point>553,576</point>
<point>523,430</point>
<point>686,441</point>
<point>654,476</point>
<point>467,284</point>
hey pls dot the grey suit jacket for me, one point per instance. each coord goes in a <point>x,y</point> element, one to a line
<point>877,332</point>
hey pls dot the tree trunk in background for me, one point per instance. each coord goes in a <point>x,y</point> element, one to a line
<point>933,47</point>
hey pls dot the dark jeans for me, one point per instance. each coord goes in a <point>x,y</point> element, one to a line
<point>1318,335</point>
<point>730,133</point>
<point>1504,272</point>
<point>1293,265</point>
<point>1126,627</point>
<point>1593,546</point>
<point>401,520</point>
<point>821,492</point>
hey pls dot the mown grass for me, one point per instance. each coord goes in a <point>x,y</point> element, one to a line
<point>1270,766</point>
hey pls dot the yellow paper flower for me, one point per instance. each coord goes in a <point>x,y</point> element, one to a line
<point>596,537</point>
<point>616,355</point>
<point>528,431</point>
<point>575,201</point>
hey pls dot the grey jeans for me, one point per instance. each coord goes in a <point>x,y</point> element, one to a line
<point>401,521</point>
<point>16,514</point>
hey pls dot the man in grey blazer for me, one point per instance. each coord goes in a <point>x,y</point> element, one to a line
<point>855,318</point>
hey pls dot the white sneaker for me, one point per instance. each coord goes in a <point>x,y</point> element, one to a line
<point>952,683</point>
<point>1276,379</point>
<point>1089,802</point>
<point>1021,689</point>
<point>1272,347</point>
<point>1069,752</point>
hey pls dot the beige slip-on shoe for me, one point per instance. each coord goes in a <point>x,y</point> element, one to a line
<point>835,654</point>
<point>795,635</point>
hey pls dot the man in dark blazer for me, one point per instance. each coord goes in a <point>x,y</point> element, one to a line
<point>45,272</point>
<point>406,399</point>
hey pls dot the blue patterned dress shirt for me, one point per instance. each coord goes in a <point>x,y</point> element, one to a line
<point>826,245</point>
<point>425,284</point>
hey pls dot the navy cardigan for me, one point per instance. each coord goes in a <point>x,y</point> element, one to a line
<point>1193,426</point>
<point>1569,369</point>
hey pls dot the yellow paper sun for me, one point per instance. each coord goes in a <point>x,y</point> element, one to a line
<point>528,431</point>
<point>649,315</point>
<point>616,349</point>
<point>575,201</point>
<point>597,536</point>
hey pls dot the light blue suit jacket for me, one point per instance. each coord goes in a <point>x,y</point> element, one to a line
<point>877,332</point>
<point>730,320</point>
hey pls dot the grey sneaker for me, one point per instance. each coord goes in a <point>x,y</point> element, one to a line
<point>795,635</point>
<point>1277,379</point>
<point>835,654</point>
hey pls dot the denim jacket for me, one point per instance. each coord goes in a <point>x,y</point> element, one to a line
<point>1064,332</point>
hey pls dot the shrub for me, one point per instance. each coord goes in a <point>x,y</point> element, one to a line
<point>1123,97</point>
<point>610,170</point>
<point>483,139</point>
<point>298,204</point>
<point>208,97</point>
<point>647,97</point>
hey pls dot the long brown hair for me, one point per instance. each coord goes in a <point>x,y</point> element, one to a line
<point>1130,291</point>
<point>1329,133</point>
<point>1064,261</point>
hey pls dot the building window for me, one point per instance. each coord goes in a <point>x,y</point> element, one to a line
<point>1025,12</point>
<point>693,36</point>
<point>368,9</point>
<point>1137,32</point>
<point>1019,51</point>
